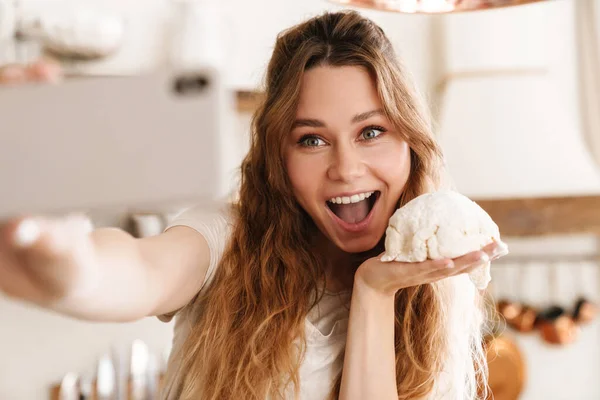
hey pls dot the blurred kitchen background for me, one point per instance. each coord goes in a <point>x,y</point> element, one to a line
<point>515,93</point>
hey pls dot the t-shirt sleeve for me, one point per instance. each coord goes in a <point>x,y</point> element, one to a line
<point>215,224</point>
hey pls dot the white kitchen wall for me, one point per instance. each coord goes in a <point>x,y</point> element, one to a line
<point>38,348</point>
<point>553,372</point>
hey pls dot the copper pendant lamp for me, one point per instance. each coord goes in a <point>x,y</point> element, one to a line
<point>433,6</point>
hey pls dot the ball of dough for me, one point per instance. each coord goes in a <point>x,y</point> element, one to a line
<point>443,224</point>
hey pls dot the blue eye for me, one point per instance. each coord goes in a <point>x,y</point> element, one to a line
<point>372,132</point>
<point>311,141</point>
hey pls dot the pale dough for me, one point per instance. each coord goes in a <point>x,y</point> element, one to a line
<point>443,224</point>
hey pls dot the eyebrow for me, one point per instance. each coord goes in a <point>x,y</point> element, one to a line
<point>317,123</point>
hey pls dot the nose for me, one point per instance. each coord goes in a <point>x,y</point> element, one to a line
<point>346,164</point>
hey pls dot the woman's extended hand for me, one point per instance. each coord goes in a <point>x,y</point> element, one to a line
<point>388,277</point>
<point>45,259</point>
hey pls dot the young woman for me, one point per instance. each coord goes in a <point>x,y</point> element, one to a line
<point>282,294</point>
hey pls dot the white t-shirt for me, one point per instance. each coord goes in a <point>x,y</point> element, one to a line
<point>326,325</point>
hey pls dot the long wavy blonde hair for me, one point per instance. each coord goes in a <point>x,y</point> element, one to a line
<point>248,338</point>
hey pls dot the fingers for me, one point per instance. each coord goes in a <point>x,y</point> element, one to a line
<point>470,261</point>
<point>33,232</point>
<point>405,274</point>
<point>14,281</point>
<point>496,250</point>
<point>37,252</point>
<point>42,241</point>
<point>438,269</point>
<point>477,259</point>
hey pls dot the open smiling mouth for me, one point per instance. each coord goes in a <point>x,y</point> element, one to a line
<point>354,209</point>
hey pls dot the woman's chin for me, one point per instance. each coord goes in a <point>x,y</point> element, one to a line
<point>359,245</point>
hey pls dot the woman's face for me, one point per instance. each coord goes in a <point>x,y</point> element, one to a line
<point>346,164</point>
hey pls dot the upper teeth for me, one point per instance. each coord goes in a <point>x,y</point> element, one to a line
<point>355,198</point>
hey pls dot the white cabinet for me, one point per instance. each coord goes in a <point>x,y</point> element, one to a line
<point>510,124</point>
<point>250,30</point>
<point>514,37</point>
<point>256,24</point>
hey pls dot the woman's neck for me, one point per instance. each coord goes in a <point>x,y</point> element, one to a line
<point>341,266</point>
